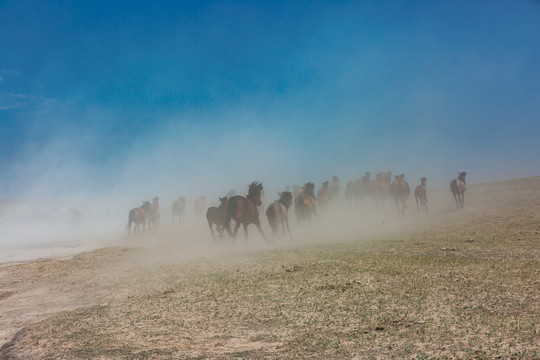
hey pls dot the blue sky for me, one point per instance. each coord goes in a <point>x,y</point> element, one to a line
<point>170,98</point>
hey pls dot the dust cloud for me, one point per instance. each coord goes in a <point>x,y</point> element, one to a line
<point>74,191</point>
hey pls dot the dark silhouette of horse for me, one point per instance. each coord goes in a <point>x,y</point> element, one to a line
<point>458,187</point>
<point>216,216</point>
<point>324,195</point>
<point>244,210</point>
<point>400,191</point>
<point>421,195</point>
<point>199,206</point>
<point>278,213</point>
<point>179,209</point>
<point>366,185</point>
<point>153,214</point>
<point>138,217</point>
<point>305,205</point>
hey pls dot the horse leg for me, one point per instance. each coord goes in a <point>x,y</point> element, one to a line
<point>245,231</point>
<point>236,227</point>
<point>417,207</point>
<point>258,224</point>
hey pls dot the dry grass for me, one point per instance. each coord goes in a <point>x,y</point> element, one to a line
<point>466,286</point>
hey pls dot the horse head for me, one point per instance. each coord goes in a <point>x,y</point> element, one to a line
<point>285,198</point>
<point>309,189</point>
<point>254,192</point>
<point>223,202</point>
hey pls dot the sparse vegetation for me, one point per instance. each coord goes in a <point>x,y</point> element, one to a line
<point>466,287</point>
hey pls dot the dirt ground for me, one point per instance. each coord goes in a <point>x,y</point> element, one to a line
<point>361,284</point>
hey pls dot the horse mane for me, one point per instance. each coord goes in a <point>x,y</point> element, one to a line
<point>255,189</point>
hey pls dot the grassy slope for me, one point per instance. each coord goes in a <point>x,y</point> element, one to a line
<point>467,287</point>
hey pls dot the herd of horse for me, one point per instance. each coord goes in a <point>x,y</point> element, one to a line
<point>244,210</point>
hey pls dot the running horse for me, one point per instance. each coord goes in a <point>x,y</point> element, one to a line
<point>215,215</point>
<point>199,205</point>
<point>179,209</point>
<point>138,217</point>
<point>400,191</point>
<point>278,212</point>
<point>458,187</point>
<point>335,188</point>
<point>305,205</point>
<point>420,195</point>
<point>153,214</point>
<point>244,210</point>
<point>324,195</point>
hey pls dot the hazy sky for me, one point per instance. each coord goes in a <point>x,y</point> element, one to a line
<point>168,98</point>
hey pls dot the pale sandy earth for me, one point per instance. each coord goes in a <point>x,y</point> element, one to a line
<point>40,281</point>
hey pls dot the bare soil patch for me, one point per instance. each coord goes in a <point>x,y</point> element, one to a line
<point>451,284</point>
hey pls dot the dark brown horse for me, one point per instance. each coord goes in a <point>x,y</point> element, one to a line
<point>458,187</point>
<point>216,216</point>
<point>421,195</point>
<point>179,209</point>
<point>244,210</point>
<point>138,217</point>
<point>400,192</point>
<point>305,205</point>
<point>278,212</point>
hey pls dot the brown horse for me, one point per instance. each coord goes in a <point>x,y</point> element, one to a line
<point>381,186</point>
<point>335,188</point>
<point>153,214</point>
<point>324,195</point>
<point>244,210</point>
<point>138,217</point>
<point>278,212</point>
<point>458,187</point>
<point>420,194</point>
<point>305,205</point>
<point>400,192</point>
<point>199,206</point>
<point>179,209</point>
<point>216,215</point>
